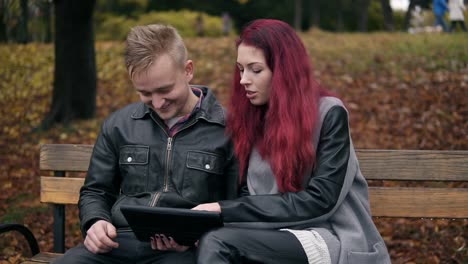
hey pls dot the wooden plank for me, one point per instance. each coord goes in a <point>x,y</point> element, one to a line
<point>385,201</point>
<point>43,257</point>
<point>417,165</point>
<point>60,190</point>
<point>65,157</point>
<point>419,202</point>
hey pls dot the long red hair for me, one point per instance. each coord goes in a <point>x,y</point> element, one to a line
<point>282,129</point>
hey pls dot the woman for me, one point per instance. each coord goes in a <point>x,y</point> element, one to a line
<point>306,201</point>
<point>456,9</point>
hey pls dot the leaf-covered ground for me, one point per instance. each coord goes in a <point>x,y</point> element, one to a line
<point>403,92</point>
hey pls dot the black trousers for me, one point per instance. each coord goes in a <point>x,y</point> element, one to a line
<point>130,250</point>
<point>236,245</point>
<point>453,24</point>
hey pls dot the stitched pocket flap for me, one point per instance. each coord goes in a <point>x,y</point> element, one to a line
<point>134,154</point>
<point>205,161</point>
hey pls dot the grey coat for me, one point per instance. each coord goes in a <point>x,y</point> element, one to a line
<point>334,201</point>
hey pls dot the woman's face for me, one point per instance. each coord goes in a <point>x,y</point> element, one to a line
<point>255,74</point>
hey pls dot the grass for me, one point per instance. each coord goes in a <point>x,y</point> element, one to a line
<point>403,92</point>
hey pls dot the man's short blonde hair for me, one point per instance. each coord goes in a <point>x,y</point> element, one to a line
<point>147,43</point>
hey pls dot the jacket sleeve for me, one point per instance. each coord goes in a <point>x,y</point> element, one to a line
<point>101,186</point>
<point>231,172</point>
<point>320,194</point>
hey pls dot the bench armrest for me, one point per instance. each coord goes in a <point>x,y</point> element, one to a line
<point>25,232</point>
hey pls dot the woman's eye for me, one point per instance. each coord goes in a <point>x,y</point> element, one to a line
<point>257,71</point>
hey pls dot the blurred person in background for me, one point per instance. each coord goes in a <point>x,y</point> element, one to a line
<point>456,16</point>
<point>439,7</point>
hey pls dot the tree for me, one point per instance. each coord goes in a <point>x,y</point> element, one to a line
<point>363,15</point>
<point>314,16</point>
<point>46,7</point>
<point>74,94</point>
<point>3,30</point>
<point>23,30</point>
<point>388,15</point>
<point>297,14</point>
<point>339,16</point>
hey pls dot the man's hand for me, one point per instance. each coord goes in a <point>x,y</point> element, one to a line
<point>161,242</point>
<point>99,237</point>
<point>212,207</point>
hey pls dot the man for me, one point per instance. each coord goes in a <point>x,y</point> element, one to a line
<point>168,150</point>
<point>439,7</point>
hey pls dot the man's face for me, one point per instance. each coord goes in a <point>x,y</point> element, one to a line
<point>164,87</point>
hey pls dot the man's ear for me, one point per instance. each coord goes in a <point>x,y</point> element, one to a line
<point>189,70</point>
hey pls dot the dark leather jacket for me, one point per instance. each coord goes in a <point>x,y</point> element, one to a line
<point>135,162</point>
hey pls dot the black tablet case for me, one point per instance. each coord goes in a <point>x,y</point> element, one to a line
<point>184,225</point>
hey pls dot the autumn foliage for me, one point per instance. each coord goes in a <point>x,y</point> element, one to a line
<point>402,91</point>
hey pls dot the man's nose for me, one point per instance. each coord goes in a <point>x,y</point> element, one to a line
<point>157,102</point>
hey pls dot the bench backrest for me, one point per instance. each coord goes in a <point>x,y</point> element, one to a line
<point>396,199</point>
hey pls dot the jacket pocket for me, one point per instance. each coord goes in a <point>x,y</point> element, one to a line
<point>203,176</point>
<point>379,255</point>
<point>205,161</point>
<point>133,163</point>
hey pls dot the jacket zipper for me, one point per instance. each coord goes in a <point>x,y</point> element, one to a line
<point>166,175</point>
<point>168,157</point>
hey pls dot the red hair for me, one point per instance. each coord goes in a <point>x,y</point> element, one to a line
<point>282,129</point>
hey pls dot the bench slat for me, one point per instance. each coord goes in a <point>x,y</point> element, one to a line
<point>385,201</point>
<point>65,157</point>
<point>419,202</point>
<point>60,190</point>
<point>43,257</point>
<point>417,165</point>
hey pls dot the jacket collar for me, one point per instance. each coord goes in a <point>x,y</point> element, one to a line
<point>210,109</point>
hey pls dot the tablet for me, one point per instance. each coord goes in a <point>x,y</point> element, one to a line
<point>184,225</point>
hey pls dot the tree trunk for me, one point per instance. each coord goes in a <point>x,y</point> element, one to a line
<point>23,30</point>
<point>48,24</point>
<point>388,15</point>
<point>363,15</point>
<point>297,14</point>
<point>412,4</point>
<point>339,16</point>
<point>74,95</point>
<point>3,31</point>
<point>314,17</point>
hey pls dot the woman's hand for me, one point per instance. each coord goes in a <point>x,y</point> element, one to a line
<point>212,207</point>
<point>163,243</point>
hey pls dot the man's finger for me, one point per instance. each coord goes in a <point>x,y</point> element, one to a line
<point>110,230</point>
<point>106,242</point>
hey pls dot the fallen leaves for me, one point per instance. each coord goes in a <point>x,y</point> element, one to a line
<point>402,91</point>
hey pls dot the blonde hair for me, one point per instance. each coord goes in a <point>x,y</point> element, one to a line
<point>147,43</point>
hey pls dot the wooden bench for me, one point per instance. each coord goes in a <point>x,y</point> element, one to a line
<point>390,166</point>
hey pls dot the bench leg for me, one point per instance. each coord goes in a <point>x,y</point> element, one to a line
<point>59,222</point>
<point>59,228</point>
